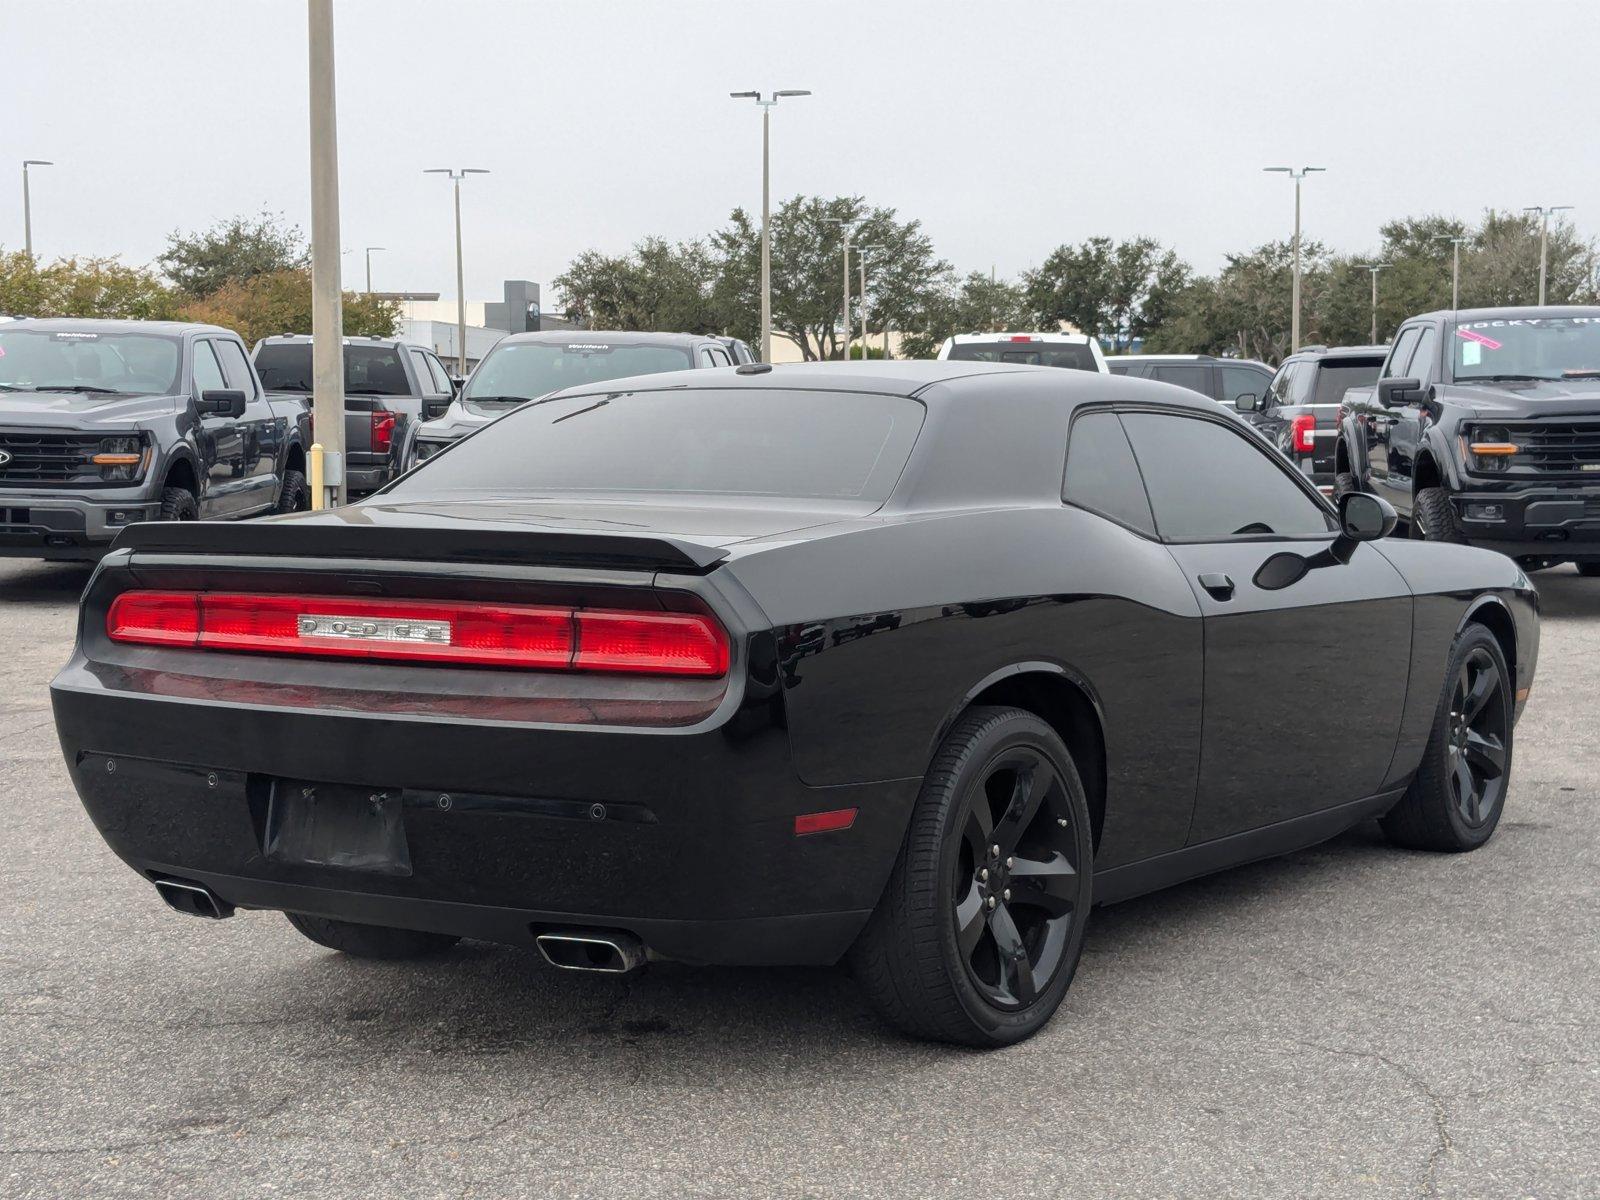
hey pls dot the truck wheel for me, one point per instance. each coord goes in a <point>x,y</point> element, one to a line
<point>294,495</point>
<point>1432,518</point>
<point>1343,484</point>
<point>1589,569</point>
<point>978,933</point>
<point>370,941</point>
<point>178,504</point>
<point>1456,797</point>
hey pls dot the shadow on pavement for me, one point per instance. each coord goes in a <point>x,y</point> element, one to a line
<point>1564,593</point>
<point>42,583</point>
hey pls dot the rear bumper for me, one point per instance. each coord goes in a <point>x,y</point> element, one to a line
<point>1538,522</point>
<point>683,836</point>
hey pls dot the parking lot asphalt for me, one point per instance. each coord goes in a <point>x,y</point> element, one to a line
<point>1352,1020</point>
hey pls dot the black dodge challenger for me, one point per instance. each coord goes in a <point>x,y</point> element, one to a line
<point>908,663</point>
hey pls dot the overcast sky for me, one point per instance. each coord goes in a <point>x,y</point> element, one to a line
<point>1005,128</point>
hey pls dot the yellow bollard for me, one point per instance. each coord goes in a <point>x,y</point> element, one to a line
<point>319,494</point>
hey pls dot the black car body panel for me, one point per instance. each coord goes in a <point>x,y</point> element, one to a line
<point>55,504</point>
<point>1226,380</point>
<point>1310,386</point>
<point>1541,503</point>
<point>860,631</point>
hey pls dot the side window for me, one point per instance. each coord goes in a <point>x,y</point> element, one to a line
<point>441,377</point>
<point>419,364</point>
<point>720,357</point>
<point>1184,375</point>
<point>1400,353</point>
<point>1242,490</point>
<point>1422,362</point>
<point>1102,475</point>
<point>1279,387</point>
<point>1242,381</point>
<point>235,366</point>
<point>207,373</point>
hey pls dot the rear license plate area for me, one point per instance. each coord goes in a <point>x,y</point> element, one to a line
<point>335,825</point>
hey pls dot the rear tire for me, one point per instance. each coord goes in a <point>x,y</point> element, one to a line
<point>294,495</point>
<point>179,504</point>
<point>968,945</point>
<point>1588,570</point>
<point>1433,519</point>
<point>370,941</point>
<point>1458,793</point>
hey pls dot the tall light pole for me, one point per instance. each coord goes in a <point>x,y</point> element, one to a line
<point>461,287</point>
<point>861,266</point>
<point>1544,238</point>
<point>1373,269</point>
<point>327,315</point>
<point>370,249</point>
<point>844,227</point>
<point>27,203</point>
<point>1455,265</point>
<point>766,206</point>
<point>1294,317</point>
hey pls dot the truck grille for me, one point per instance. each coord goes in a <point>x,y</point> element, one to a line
<point>1558,448</point>
<point>43,458</point>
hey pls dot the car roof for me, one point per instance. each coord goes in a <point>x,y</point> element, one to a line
<point>1515,313</point>
<point>1312,353</point>
<point>613,337</point>
<point>968,339</point>
<point>117,325</point>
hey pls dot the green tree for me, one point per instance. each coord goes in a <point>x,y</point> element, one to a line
<point>978,303</point>
<point>1502,266</point>
<point>1245,309</point>
<point>280,302</point>
<point>1116,291</point>
<point>808,267</point>
<point>87,287</point>
<point>658,286</point>
<point>233,251</point>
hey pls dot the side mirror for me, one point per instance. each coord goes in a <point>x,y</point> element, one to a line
<point>1396,393</point>
<point>221,402</point>
<point>432,410</point>
<point>457,383</point>
<point>1364,517</point>
<point>1247,402</point>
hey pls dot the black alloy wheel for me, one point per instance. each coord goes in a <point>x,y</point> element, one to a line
<point>1477,745</point>
<point>1457,796</point>
<point>978,933</point>
<point>1015,886</point>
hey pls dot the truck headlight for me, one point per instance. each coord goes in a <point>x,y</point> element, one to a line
<point>1488,448</point>
<point>122,458</point>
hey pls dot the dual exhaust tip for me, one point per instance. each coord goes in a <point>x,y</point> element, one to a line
<point>604,951</point>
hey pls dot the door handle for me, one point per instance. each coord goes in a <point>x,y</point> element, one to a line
<point>1218,584</point>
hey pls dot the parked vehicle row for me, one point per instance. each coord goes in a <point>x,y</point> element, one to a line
<point>104,424</point>
<point>1075,351</point>
<point>1231,381</point>
<point>909,663</point>
<point>1299,413</point>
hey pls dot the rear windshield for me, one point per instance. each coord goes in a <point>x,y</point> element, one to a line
<point>1335,378</point>
<point>67,361</point>
<point>708,442</point>
<point>1039,354</point>
<point>517,371</point>
<point>368,370</point>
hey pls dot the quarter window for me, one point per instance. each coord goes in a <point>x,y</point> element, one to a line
<point>1422,360</point>
<point>1102,475</point>
<point>1400,354</point>
<point>236,367</point>
<point>207,374</point>
<point>1208,482</point>
<point>1191,377</point>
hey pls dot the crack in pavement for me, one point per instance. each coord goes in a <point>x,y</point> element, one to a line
<point>182,1134</point>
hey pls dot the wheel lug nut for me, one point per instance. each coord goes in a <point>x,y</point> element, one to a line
<point>994,851</point>
<point>1010,862</point>
<point>1006,895</point>
<point>1061,821</point>
<point>992,901</point>
<point>983,873</point>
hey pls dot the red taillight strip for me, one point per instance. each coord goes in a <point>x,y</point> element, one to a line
<point>425,631</point>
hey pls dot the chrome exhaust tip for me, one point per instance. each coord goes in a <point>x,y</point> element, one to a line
<point>194,899</point>
<point>608,953</point>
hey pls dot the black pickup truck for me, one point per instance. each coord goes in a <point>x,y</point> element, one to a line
<point>389,388</point>
<point>1299,413</point>
<point>106,423</point>
<point>1484,428</point>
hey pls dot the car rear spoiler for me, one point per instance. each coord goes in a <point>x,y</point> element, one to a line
<point>344,539</point>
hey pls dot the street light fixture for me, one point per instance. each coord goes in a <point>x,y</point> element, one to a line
<point>1373,269</point>
<point>27,203</point>
<point>1455,265</point>
<point>1544,238</point>
<point>766,206</point>
<point>844,227</point>
<point>461,294</point>
<point>370,249</point>
<point>1294,318</point>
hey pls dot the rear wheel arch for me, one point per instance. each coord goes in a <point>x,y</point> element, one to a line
<point>1061,699</point>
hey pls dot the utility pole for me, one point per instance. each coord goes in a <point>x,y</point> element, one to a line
<point>1544,238</point>
<point>461,287</point>
<point>27,204</point>
<point>766,207</point>
<point>844,227</point>
<point>1373,269</point>
<point>327,322</point>
<point>370,249</point>
<point>861,263</point>
<point>1294,317</point>
<point>1455,265</point>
